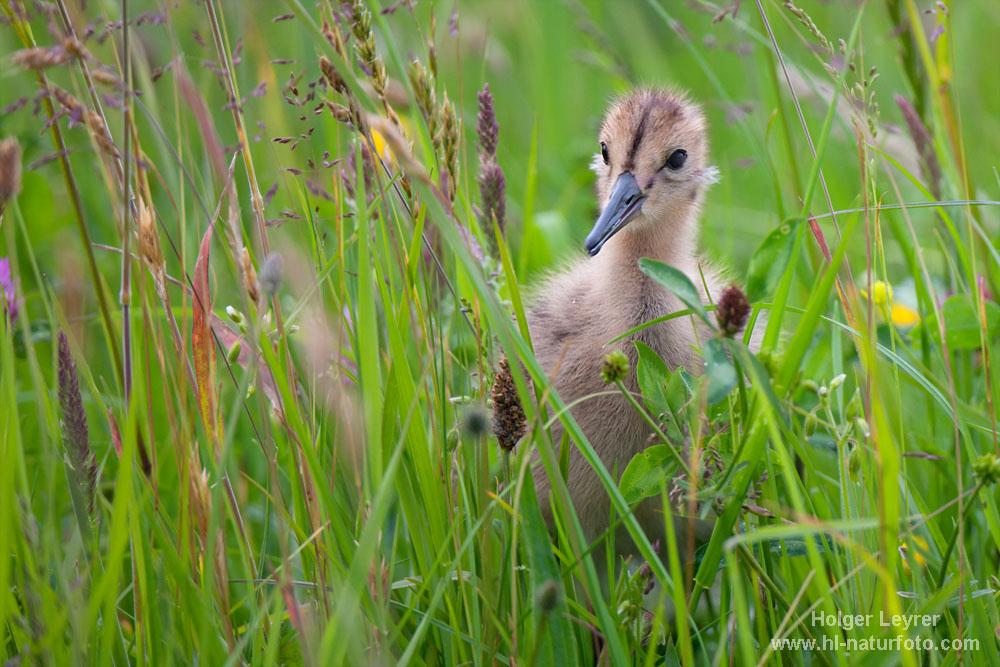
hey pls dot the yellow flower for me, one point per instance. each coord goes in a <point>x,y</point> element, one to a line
<point>382,146</point>
<point>901,316</point>
<point>881,292</point>
<point>920,547</point>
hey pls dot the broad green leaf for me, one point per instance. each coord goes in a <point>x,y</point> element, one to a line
<point>677,282</point>
<point>665,392</point>
<point>647,473</point>
<point>962,323</point>
<point>679,390</point>
<point>719,370</point>
<point>770,259</point>
<point>653,376</point>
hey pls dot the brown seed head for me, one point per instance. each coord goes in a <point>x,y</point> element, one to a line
<point>67,100</point>
<point>332,75</point>
<point>732,311</point>
<point>509,421</point>
<point>340,112</point>
<point>149,247</point>
<point>250,277</point>
<point>40,57</point>
<point>10,169</point>
<point>102,137</point>
<point>105,77</point>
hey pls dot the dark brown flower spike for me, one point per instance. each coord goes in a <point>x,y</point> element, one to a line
<point>509,421</point>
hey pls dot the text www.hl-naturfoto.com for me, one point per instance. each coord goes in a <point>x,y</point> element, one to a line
<point>838,643</point>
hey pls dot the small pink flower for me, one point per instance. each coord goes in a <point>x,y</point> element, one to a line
<point>7,287</point>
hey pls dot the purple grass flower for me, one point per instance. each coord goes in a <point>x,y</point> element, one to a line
<point>74,422</point>
<point>492,189</point>
<point>7,287</point>
<point>486,126</point>
<point>492,184</point>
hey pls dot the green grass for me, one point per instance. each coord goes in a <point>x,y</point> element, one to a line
<point>317,492</point>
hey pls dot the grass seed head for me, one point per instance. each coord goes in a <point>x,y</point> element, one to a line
<point>74,422</point>
<point>423,90</point>
<point>10,169</point>
<point>364,47</point>
<point>449,144</point>
<point>492,183</point>
<point>331,75</point>
<point>251,283</point>
<point>339,111</point>
<point>102,136</point>
<point>509,421</point>
<point>149,247</point>
<point>44,57</point>
<point>493,193</point>
<point>486,125</point>
<point>336,40</point>
<point>810,25</point>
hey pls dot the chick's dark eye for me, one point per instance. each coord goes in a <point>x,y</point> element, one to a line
<point>604,153</point>
<point>677,159</point>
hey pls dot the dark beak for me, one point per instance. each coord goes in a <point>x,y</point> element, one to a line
<point>624,204</point>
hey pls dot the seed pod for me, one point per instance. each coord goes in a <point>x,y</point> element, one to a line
<point>234,352</point>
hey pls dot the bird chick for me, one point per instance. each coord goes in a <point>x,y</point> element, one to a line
<point>652,173</point>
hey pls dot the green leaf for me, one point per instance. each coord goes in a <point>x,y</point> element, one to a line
<point>664,392</point>
<point>653,375</point>
<point>719,370</point>
<point>679,390</point>
<point>647,473</point>
<point>962,324</point>
<point>770,259</point>
<point>677,282</point>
